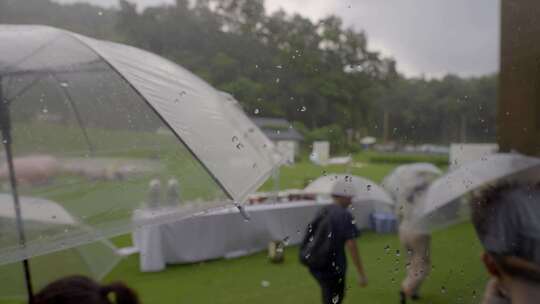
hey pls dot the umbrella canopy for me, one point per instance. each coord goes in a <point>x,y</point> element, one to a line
<point>261,142</point>
<point>407,185</point>
<point>94,260</point>
<point>80,102</point>
<point>365,190</point>
<point>445,201</point>
<point>402,180</point>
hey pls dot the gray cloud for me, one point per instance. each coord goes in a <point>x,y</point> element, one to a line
<point>429,37</point>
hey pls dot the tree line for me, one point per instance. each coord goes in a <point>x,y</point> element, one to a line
<point>322,76</point>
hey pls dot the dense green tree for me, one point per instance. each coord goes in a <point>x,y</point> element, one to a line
<point>320,75</point>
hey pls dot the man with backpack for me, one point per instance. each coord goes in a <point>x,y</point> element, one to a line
<point>323,247</point>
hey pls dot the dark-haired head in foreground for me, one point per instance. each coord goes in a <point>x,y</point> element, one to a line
<point>507,221</point>
<point>83,290</point>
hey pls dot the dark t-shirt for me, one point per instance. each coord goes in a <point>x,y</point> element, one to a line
<point>343,229</point>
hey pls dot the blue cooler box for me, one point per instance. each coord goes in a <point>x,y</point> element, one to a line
<point>383,222</point>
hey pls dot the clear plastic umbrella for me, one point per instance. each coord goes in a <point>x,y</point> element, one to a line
<point>445,201</point>
<point>110,118</point>
<point>94,260</point>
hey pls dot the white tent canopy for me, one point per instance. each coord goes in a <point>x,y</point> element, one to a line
<point>365,190</point>
<point>83,101</point>
<point>446,200</point>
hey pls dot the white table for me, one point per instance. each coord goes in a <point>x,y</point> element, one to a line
<point>224,233</point>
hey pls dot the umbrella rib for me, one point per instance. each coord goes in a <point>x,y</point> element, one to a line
<point>77,114</point>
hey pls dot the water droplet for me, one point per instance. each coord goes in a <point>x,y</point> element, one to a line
<point>368,187</point>
<point>265,284</point>
<point>303,109</point>
<point>277,80</point>
<point>279,67</point>
<point>100,13</point>
<point>64,84</point>
<point>398,253</point>
<point>443,289</point>
<point>45,110</point>
<point>256,111</point>
<point>286,240</point>
<point>335,299</point>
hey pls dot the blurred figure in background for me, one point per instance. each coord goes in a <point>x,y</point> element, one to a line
<point>83,290</point>
<point>407,185</point>
<point>323,247</point>
<point>507,221</point>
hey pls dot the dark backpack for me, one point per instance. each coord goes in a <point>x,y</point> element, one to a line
<point>317,248</point>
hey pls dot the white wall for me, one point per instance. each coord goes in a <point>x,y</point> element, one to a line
<point>288,149</point>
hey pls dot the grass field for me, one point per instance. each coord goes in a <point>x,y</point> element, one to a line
<point>457,276</point>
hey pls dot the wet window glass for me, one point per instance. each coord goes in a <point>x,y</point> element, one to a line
<point>294,151</point>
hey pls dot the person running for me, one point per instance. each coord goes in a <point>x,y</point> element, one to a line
<point>323,247</point>
<point>507,221</point>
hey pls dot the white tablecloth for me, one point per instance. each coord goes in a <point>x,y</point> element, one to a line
<point>225,233</point>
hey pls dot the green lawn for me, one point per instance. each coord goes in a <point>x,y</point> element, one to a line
<point>457,277</point>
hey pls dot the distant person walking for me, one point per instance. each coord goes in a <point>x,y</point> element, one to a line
<point>507,222</point>
<point>323,247</point>
<point>407,185</point>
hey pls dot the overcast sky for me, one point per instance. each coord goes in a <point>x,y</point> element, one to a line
<point>426,37</point>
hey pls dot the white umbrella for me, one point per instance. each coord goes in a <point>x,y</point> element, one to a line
<point>365,189</point>
<point>405,178</point>
<point>445,202</point>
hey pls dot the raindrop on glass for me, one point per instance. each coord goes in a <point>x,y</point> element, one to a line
<point>286,240</point>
